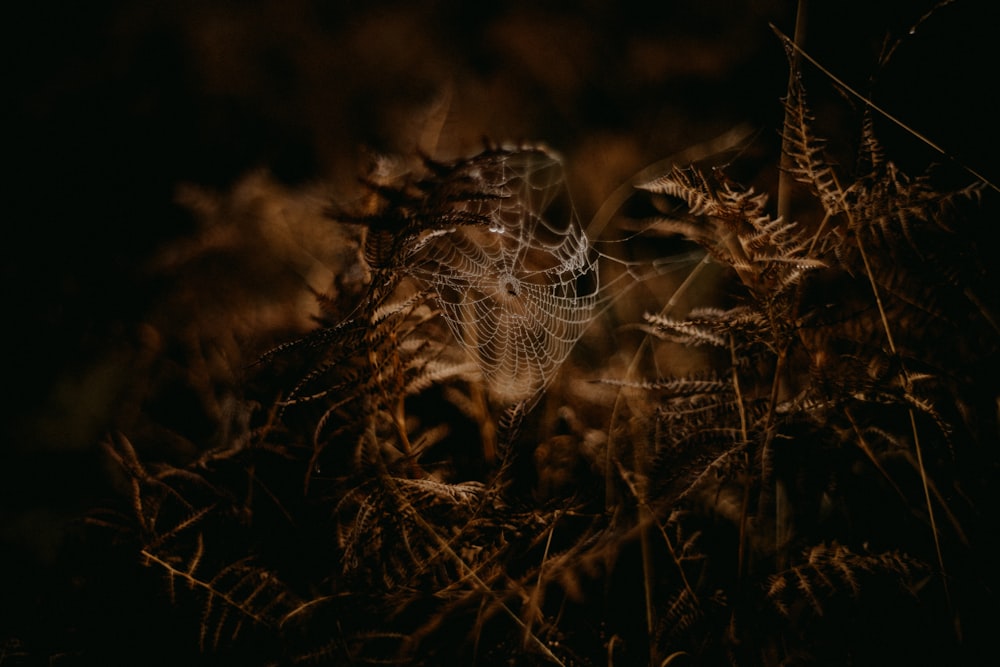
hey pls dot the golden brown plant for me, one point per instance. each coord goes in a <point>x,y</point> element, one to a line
<point>423,487</point>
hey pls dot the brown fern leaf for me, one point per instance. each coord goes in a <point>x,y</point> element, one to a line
<point>770,256</point>
<point>831,570</point>
<point>392,531</point>
<point>363,371</point>
<point>809,164</point>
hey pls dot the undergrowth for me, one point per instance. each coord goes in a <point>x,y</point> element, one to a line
<point>811,489</point>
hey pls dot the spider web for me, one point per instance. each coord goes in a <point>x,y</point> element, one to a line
<point>516,278</point>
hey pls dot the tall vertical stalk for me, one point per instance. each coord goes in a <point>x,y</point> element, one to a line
<point>785,178</point>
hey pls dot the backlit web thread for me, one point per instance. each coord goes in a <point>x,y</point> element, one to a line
<point>517,287</point>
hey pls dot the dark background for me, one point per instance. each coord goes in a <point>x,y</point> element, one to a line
<point>113,106</point>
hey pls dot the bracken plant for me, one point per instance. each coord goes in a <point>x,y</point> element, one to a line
<point>457,466</point>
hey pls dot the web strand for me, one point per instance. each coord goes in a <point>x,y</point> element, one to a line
<point>518,291</point>
<point>495,238</point>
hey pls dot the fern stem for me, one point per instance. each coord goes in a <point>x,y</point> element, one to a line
<point>930,513</point>
<point>446,549</point>
<point>736,388</point>
<point>785,177</point>
<point>534,601</point>
<point>779,488</point>
<point>907,387</point>
<point>741,550</point>
<point>610,495</point>
<point>645,517</point>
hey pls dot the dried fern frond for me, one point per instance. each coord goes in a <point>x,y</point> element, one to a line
<point>396,528</point>
<point>770,255</point>
<point>809,163</point>
<point>826,570</point>
<point>712,326</point>
<point>677,387</point>
<point>186,543</point>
